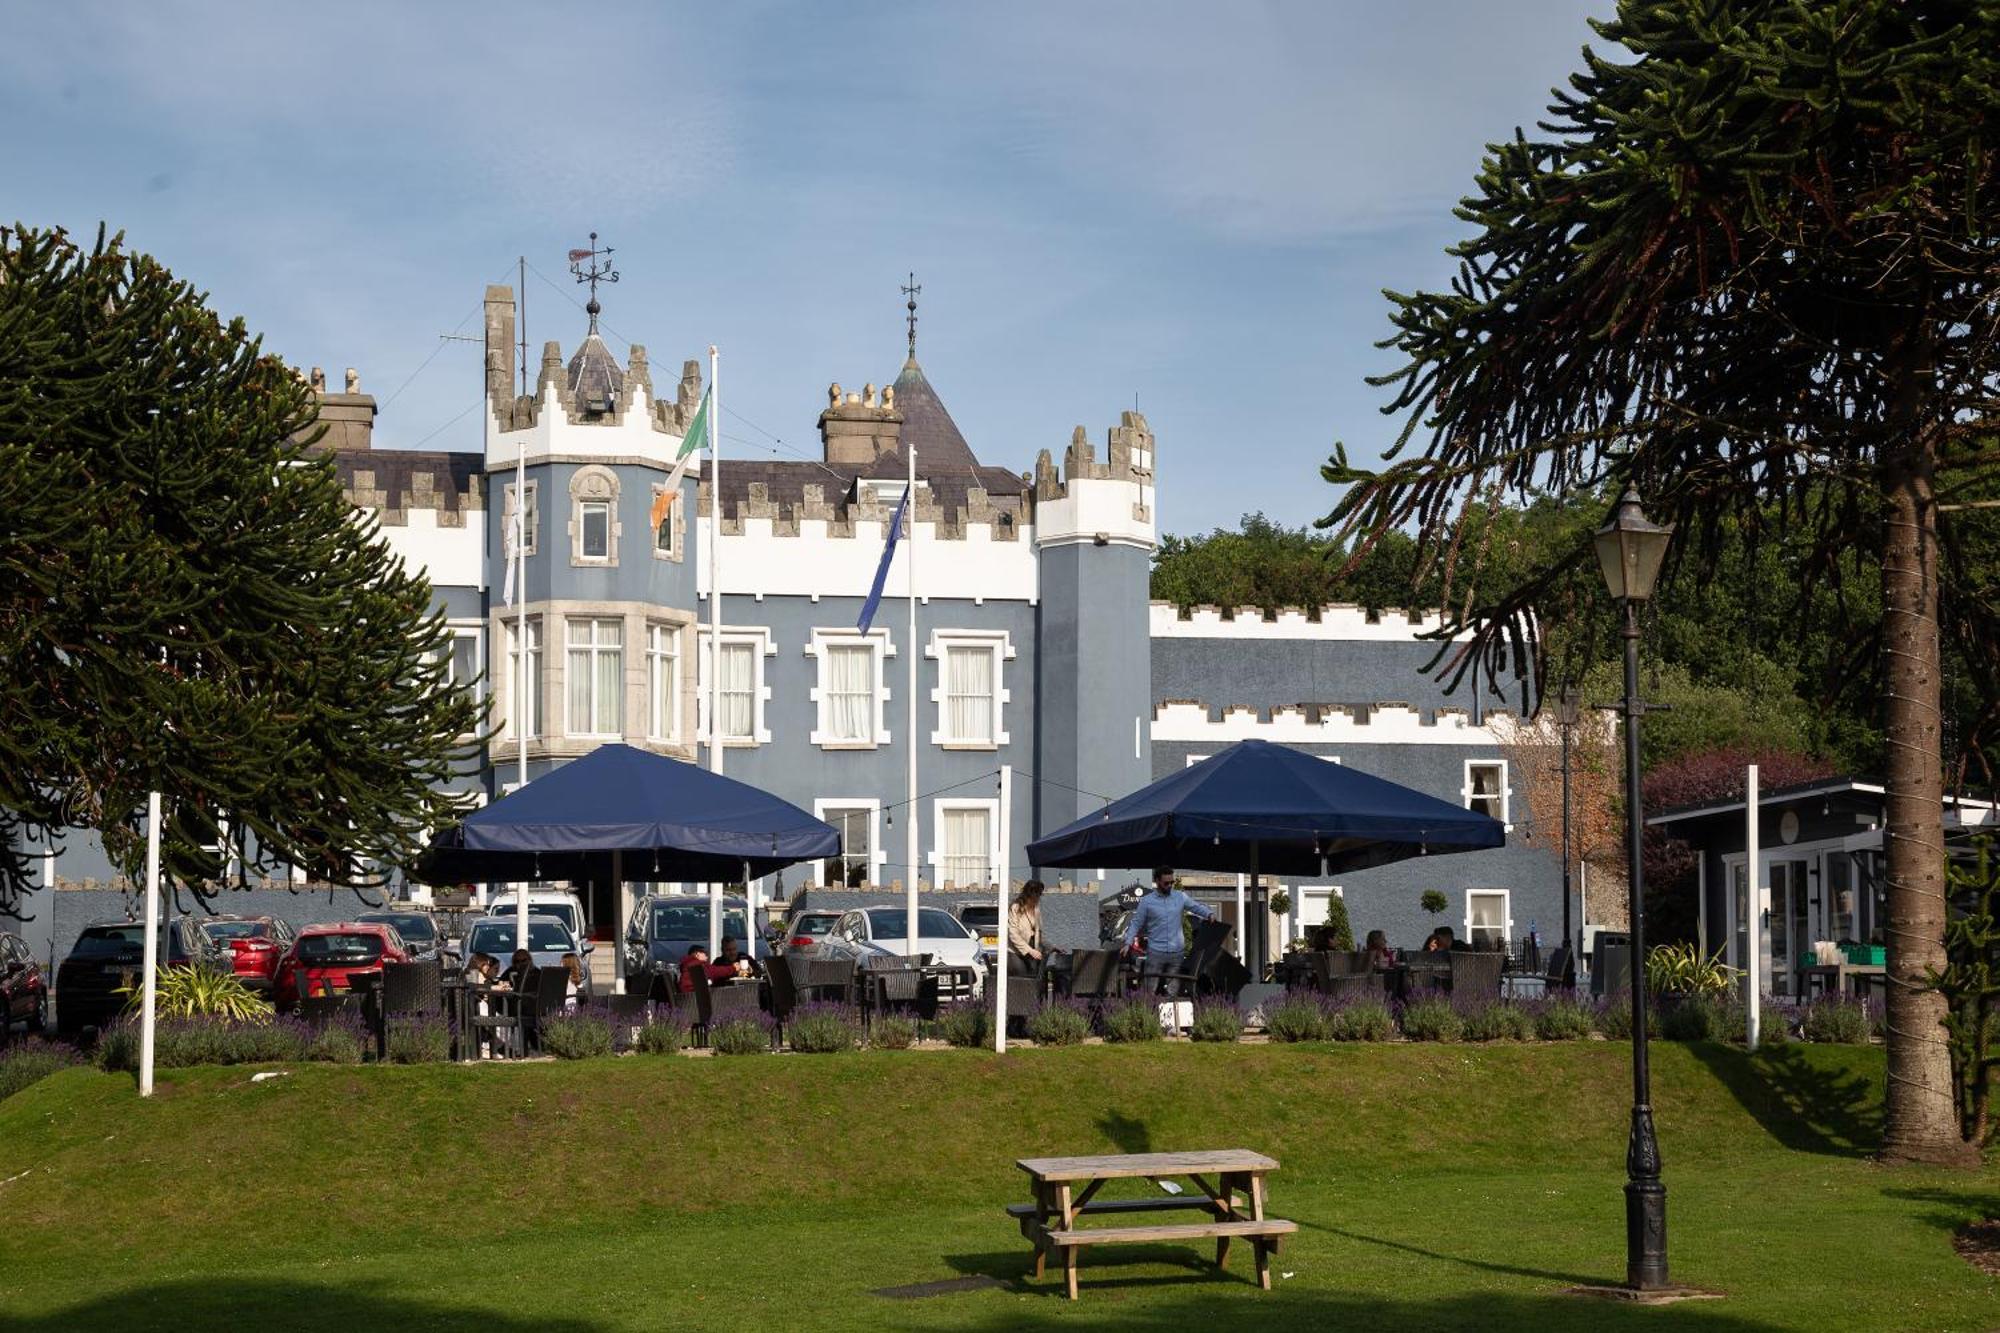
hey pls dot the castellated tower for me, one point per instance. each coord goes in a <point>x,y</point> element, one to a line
<point>1095,534</point>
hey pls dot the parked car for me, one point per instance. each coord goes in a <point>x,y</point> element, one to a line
<point>24,991</point>
<point>805,930</point>
<point>332,956</point>
<point>982,918</point>
<point>254,943</point>
<point>97,979</point>
<point>665,926</point>
<point>418,930</point>
<point>867,933</point>
<point>561,904</point>
<point>548,940</point>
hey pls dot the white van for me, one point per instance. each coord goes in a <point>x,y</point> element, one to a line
<point>559,903</point>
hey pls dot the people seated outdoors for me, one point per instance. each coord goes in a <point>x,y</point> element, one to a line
<point>1380,958</point>
<point>1157,920</point>
<point>1325,939</point>
<point>1024,930</point>
<point>482,970</point>
<point>731,962</point>
<point>695,958</point>
<point>518,968</point>
<point>574,966</point>
<point>1441,941</point>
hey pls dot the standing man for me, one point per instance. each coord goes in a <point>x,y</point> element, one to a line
<point>1157,919</point>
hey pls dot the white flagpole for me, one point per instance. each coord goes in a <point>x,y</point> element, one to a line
<point>1754,912</point>
<point>521,712</point>
<point>998,981</point>
<point>910,788</point>
<point>715,618</point>
<point>149,975</point>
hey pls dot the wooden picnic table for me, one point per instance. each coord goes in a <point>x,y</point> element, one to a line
<point>1066,1190</point>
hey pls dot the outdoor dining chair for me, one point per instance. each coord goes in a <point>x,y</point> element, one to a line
<point>411,993</point>
<point>1093,974</point>
<point>829,979</point>
<point>628,1014</point>
<point>784,991</point>
<point>1475,974</point>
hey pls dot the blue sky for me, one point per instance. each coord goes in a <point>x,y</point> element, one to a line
<point>1194,204</point>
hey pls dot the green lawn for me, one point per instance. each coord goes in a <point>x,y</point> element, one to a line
<point>1435,1187</point>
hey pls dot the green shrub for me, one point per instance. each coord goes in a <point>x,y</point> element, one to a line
<point>1614,1017</point>
<point>1679,969</point>
<point>117,1048</point>
<point>1297,1017</point>
<point>1839,1019</point>
<point>1059,1023</point>
<point>822,1029</point>
<point>660,1037</point>
<point>1696,1017</point>
<point>577,1034</point>
<point>893,1032</point>
<point>31,1061</point>
<point>967,1024</point>
<point>1336,918</point>
<point>1499,1021</point>
<point>1564,1018</point>
<point>421,1041</point>
<point>1216,1020</point>
<point>1432,1020</point>
<point>739,1036</point>
<point>1133,1020</point>
<point>200,992</point>
<point>1364,1020</point>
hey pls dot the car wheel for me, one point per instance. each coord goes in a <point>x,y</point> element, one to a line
<point>38,1022</point>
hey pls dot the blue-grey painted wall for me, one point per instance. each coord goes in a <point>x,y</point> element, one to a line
<point>1094,679</point>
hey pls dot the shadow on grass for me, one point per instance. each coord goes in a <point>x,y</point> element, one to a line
<point>296,1307</point>
<point>1129,1134</point>
<point>1954,1209</point>
<point>1483,1265</point>
<point>1805,1108</point>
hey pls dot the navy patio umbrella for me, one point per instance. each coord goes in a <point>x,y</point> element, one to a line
<point>624,812</point>
<point>1260,807</point>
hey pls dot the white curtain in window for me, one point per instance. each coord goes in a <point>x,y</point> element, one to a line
<point>1486,915</point>
<point>534,695</point>
<point>610,678</point>
<point>663,681</point>
<point>969,694</point>
<point>1486,792</point>
<point>578,677</point>
<point>739,680</point>
<point>849,691</point>
<point>965,847</point>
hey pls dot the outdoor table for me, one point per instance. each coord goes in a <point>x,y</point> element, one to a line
<point>503,1005</point>
<point>1838,975</point>
<point>1066,1190</point>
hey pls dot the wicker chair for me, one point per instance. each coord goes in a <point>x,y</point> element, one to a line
<point>628,1013</point>
<point>1476,974</point>
<point>784,991</point>
<point>1093,974</point>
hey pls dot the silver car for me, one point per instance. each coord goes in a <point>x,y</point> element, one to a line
<point>868,933</point>
<point>548,940</point>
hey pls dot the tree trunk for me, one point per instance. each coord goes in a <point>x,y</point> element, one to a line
<point>1921,1107</point>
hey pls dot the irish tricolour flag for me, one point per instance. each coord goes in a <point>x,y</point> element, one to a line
<point>691,444</point>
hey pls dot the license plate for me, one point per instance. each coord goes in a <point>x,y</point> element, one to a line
<point>989,940</point>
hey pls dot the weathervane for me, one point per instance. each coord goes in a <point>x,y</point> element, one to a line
<point>912,290</point>
<point>592,275</point>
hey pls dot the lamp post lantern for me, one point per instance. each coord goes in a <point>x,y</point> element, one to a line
<point>1631,550</point>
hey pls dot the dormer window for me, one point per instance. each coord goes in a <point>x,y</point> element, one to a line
<point>593,523</point>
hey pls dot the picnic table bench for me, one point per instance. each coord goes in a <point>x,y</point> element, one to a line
<point>1066,1191</point>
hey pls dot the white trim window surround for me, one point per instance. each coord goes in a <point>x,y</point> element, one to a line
<point>593,516</point>
<point>668,534</point>
<point>595,676</point>
<point>511,686</point>
<point>663,682</point>
<point>1486,789</point>
<point>534,525</point>
<point>862,858</point>
<point>463,666</point>
<point>971,696</point>
<point>1489,918</point>
<point>745,690</point>
<point>851,690</point>
<point>965,845</point>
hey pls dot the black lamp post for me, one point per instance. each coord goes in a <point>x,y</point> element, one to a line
<point>1631,550</point>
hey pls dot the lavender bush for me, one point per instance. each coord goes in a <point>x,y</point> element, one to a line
<point>1498,1020</point>
<point>661,1035</point>
<point>1564,1018</point>
<point>579,1033</point>
<point>893,1032</point>
<point>1216,1020</point>
<point>966,1023</point>
<point>422,1041</point>
<point>821,1028</point>
<point>1361,1020</point>
<point>1059,1023</point>
<point>1841,1019</point>
<point>1300,1016</point>
<point>1432,1019</point>
<point>741,1036</point>
<point>29,1062</point>
<point>1131,1020</point>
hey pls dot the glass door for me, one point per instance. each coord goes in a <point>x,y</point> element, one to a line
<point>1791,930</point>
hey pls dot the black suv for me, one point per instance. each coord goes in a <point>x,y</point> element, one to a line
<point>96,980</point>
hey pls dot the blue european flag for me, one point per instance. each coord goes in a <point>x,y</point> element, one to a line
<point>869,607</point>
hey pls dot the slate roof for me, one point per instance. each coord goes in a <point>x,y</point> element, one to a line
<point>453,476</point>
<point>595,377</point>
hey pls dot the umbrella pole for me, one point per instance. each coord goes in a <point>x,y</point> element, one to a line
<point>1263,910</point>
<point>520,916</point>
<point>714,919</point>
<point>617,931</point>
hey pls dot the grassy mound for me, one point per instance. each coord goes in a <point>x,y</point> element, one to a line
<point>1436,1186</point>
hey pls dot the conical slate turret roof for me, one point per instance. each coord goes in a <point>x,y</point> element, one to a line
<point>928,426</point>
<point>595,378</point>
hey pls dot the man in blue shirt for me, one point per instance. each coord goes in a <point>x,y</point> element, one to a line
<point>1157,918</point>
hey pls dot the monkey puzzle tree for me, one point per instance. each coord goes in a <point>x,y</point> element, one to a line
<point>1749,265</point>
<point>188,603</point>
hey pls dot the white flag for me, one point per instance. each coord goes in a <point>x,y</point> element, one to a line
<point>510,541</point>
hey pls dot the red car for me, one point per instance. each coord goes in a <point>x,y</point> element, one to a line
<point>255,944</point>
<point>330,957</point>
<point>24,991</point>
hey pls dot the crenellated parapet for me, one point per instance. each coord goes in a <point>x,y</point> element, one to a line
<point>1196,722</point>
<point>1101,502</point>
<point>394,484</point>
<point>1331,622</point>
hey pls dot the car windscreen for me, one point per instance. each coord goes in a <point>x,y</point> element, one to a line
<point>689,921</point>
<point>814,925</point>
<point>357,949</point>
<point>893,923</point>
<point>110,941</point>
<point>234,930</point>
<point>545,935</point>
<point>986,915</point>
<point>414,927</point>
